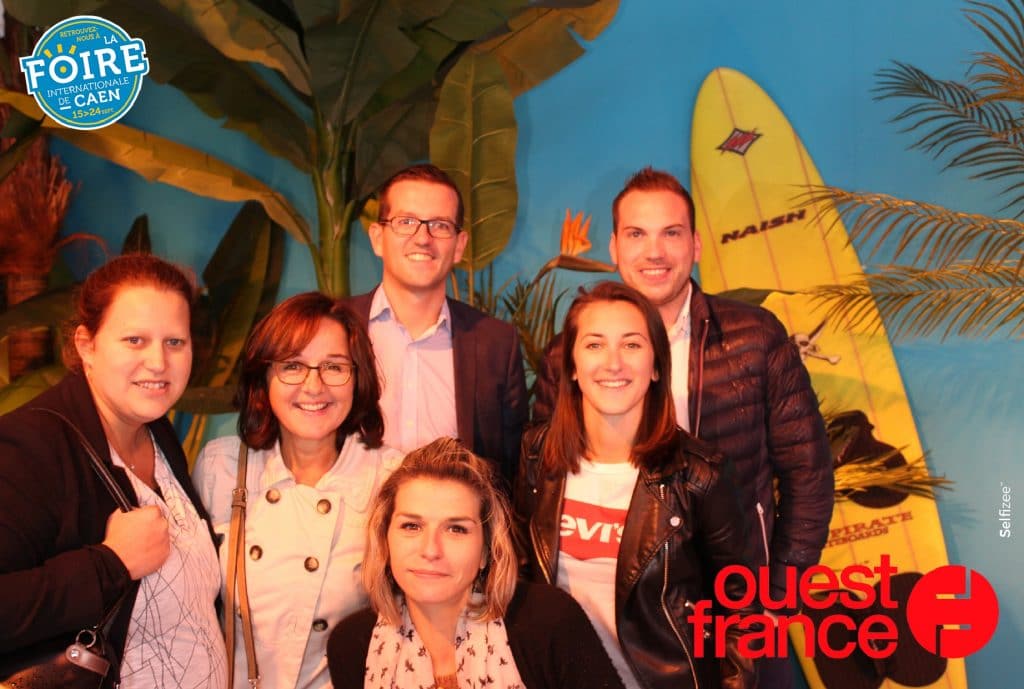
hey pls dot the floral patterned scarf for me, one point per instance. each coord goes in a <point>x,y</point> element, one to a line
<point>397,658</point>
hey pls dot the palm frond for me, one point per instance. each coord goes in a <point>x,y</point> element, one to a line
<point>961,299</point>
<point>1000,81</point>
<point>931,236</point>
<point>531,306</point>
<point>956,121</point>
<point>860,474</point>
<point>1003,28</point>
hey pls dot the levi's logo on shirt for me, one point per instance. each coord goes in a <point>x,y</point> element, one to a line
<point>590,531</point>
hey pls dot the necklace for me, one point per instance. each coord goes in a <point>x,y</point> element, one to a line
<point>131,464</point>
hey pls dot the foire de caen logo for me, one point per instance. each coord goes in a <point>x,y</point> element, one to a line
<point>86,72</point>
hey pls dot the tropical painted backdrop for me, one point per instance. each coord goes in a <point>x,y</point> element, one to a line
<point>626,102</point>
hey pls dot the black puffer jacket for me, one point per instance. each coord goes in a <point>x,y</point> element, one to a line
<point>680,530</point>
<point>751,398</point>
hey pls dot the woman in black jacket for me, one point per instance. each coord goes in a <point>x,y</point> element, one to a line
<point>624,510</point>
<point>67,554</point>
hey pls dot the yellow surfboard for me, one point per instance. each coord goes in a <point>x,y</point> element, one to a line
<point>748,166</point>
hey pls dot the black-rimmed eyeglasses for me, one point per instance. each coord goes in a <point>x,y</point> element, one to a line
<point>331,373</point>
<point>407,226</point>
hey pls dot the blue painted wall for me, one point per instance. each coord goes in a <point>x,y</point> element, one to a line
<point>627,103</point>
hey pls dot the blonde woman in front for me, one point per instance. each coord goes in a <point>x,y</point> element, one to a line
<point>447,609</point>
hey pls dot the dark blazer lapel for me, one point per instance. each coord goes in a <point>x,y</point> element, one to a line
<point>464,360</point>
<point>80,409</point>
<point>360,305</point>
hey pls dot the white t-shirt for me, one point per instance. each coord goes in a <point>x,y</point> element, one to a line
<point>174,638</point>
<point>679,343</point>
<point>593,517</point>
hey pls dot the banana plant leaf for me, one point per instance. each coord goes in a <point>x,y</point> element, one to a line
<point>239,276</point>
<point>204,400</point>
<point>25,131</point>
<point>469,20</point>
<point>43,310</point>
<point>161,160</point>
<point>235,278</point>
<point>442,34</point>
<point>351,59</point>
<point>539,42</point>
<point>474,140</point>
<point>179,56</point>
<point>137,241</point>
<point>29,386</point>
<point>750,295</point>
<point>242,31</point>
<point>391,140</point>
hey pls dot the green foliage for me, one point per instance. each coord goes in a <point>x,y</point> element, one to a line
<point>964,272</point>
<point>161,160</point>
<point>242,280</point>
<point>474,139</point>
<point>29,386</point>
<point>24,131</point>
<point>348,94</point>
<point>532,306</point>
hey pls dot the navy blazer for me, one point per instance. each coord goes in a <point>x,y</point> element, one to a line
<point>490,386</point>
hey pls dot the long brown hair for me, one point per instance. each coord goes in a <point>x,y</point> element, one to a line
<point>565,441</point>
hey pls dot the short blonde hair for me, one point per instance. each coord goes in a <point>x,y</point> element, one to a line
<point>445,459</point>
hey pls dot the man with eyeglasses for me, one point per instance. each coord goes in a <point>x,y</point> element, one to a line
<point>447,368</point>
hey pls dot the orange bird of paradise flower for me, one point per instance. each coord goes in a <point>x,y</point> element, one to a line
<point>574,234</point>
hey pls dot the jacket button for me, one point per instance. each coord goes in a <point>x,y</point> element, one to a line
<point>312,564</point>
<point>674,520</point>
<point>255,552</point>
<point>320,625</point>
<point>273,495</point>
<point>323,506</point>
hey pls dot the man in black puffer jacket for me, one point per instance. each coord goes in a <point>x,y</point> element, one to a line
<point>747,391</point>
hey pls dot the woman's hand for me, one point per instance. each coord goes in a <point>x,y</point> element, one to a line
<point>140,539</point>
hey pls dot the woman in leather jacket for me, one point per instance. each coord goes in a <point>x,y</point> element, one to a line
<point>627,512</point>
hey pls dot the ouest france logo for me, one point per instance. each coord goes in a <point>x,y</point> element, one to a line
<point>951,612</point>
<point>86,72</point>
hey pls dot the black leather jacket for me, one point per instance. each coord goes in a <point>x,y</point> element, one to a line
<point>681,529</point>
<point>750,398</point>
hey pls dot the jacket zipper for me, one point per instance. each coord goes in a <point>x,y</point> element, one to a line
<point>700,376</point>
<point>536,541</point>
<point>540,560</point>
<point>764,534</point>
<point>668,615</point>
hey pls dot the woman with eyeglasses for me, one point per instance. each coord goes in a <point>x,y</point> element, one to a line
<point>309,413</point>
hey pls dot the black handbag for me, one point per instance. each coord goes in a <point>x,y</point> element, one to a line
<point>86,662</point>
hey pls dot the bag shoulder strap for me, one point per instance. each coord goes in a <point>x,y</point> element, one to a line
<point>98,465</point>
<point>102,628</point>
<point>236,578</point>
